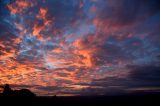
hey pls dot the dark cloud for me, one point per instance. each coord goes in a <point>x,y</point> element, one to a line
<point>115,53</point>
<point>145,76</point>
<point>52,88</point>
<point>146,73</point>
<point>22,86</point>
<point>128,12</point>
<point>68,12</point>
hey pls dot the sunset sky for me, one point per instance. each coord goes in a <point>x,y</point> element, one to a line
<point>80,47</point>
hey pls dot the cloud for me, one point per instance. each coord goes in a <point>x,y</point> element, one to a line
<point>70,43</point>
<point>126,12</point>
<point>145,73</point>
<point>19,6</point>
<point>144,78</point>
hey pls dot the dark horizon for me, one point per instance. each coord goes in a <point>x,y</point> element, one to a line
<point>19,97</point>
<point>6,90</point>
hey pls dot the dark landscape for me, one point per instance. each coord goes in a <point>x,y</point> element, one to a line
<point>25,96</point>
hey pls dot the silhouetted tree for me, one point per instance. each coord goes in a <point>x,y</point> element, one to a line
<point>18,93</point>
<point>7,91</point>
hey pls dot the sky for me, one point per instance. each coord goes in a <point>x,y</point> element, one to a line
<point>80,47</point>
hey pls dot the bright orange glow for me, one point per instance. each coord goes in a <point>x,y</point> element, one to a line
<point>57,50</point>
<point>85,52</point>
<point>37,29</point>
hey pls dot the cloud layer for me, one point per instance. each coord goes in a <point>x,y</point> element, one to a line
<point>80,47</point>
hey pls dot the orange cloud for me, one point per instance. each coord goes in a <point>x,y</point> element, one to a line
<point>43,16</point>
<point>57,50</point>
<point>85,52</point>
<point>7,55</point>
<point>19,6</point>
<point>42,13</point>
<point>37,29</point>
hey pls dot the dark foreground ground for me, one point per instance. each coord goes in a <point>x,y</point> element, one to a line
<point>123,100</point>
